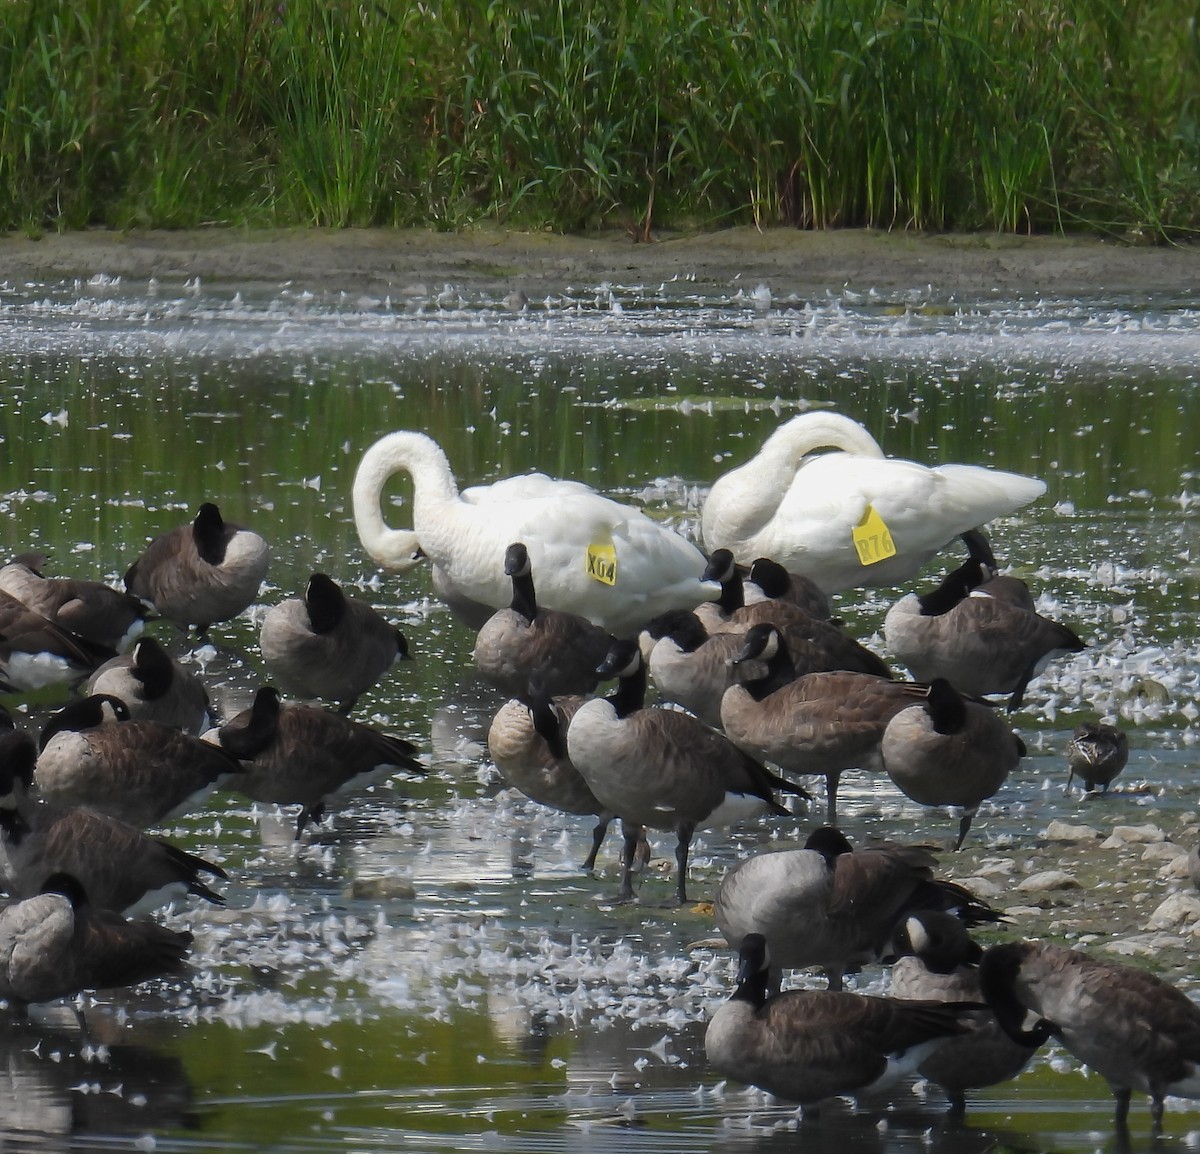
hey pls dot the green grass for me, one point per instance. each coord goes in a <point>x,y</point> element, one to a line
<point>574,114</point>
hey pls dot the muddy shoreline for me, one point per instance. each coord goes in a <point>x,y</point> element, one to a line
<point>394,261</point>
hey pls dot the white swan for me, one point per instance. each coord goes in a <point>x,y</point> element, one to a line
<point>593,556</point>
<point>851,517</point>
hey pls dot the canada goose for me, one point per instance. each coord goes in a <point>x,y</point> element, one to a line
<point>119,866</point>
<point>821,723</point>
<point>93,755</point>
<point>58,943</point>
<point>662,768</point>
<point>691,666</point>
<point>813,644</point>
<point>946,750</point>
<point>327,645</point>
<point>1097,752</point>
<point>527,741</point>
<point>594,557</point>
<point>154,687</point>
<point>767,580</point>
<point>852,517</point>
<point>939,962</point>
<point>808,1045</point>
<point>201,573</point>
<point>35,652</point>
<point>89,609</point>
<point>980,643</point>
<point>1129,1026</point>
<point>526,644</point>
<point>833,906</point>
<point>303,754</point>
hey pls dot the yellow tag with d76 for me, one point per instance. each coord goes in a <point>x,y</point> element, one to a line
<point>601,563</point>
<point>872,539</point>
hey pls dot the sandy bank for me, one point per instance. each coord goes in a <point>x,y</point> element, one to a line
<point>395,261</point>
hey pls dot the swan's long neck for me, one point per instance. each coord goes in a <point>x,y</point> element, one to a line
<point>433,483</point>
<point>805,434</point>
<point>746,498</point>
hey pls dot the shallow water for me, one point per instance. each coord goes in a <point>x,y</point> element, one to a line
<point>502,1002</point>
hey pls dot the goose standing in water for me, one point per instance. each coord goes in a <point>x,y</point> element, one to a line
<point>58,943</point>
<point>90,609</point>
<point>833,906</point>
<point>118,865</point>
<point>982,643</point>
<point>661,768</point>
<point>808,1045</point>
<point>35,652</point>
<point>93,755</point>
<point>201,573</point>
<point>527,645</point>
<point>154,687</point>
<point>939,962</point>
<point>304,754</point>
<point>328,646</point>
<point>820,724</point>
<point>594,557</point>
<point>528,742</point>
<point>1129,1026</point>
<point>1096,753</point>
<point>853,516</point>
<point>946,750</point>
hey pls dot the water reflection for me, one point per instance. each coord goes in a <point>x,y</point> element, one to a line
<point>432,970</point>
<point>58,1083</point>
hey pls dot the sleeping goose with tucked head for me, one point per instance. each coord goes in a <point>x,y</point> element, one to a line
<point>662,768</point>
<point>89,609</point>
<point>154,687</point>
<point>808,1045</point>
<point>594,557</point>
<point>813,643</point>
<point>36,652</point>
<point>527,645</point>
<point>947,750</point>
<point>305,754</point>
<point>981,642</point>
<point>328,646</point>
<point>201,573</point>
<point>93,755</point>
<point>691,666</point>
<point>58,943</point>
<point>851,516</point>
<point>833,906</point>
<point>119,866</point>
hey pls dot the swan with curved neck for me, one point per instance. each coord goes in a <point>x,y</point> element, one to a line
<point>603,560</point>
<point>852,516</point>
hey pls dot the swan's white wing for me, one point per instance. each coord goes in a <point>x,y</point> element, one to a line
<point>589,555</point>
<point>922,510</point>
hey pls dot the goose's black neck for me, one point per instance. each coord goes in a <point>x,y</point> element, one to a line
<point>524,600</point>
<point>956,585</point>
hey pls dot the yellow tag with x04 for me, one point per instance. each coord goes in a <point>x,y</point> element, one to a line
<point>600,563</point>
<point>871,539</point>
